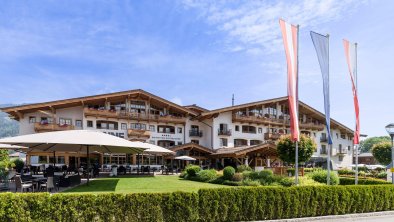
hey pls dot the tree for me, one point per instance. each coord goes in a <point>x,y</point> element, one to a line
<point>367,144</point>
<point>286,149</point>
<point>382,152</point>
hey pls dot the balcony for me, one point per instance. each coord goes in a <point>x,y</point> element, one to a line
<point>271,136</point>
<point>224,132</point>
<point>324,139</point>
<point>342,151</point>
<point>39,127</point>
<point>134,116</point>
<point>271,120</point>
<point>196,133</point>
<point>136,133</point>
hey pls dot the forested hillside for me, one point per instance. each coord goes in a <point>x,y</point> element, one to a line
<point>8,127</point>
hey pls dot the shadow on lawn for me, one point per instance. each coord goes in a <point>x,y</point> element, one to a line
<point>106,185</point>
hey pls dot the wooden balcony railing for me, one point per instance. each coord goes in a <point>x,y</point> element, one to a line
<point>134,116</point>
<point>224,132</point>
<point>323,139</point>
<point>273,121</point>
<point>271,136</point>
<point>39,127</point>
<point>138,133</point>
<point>196,133</point>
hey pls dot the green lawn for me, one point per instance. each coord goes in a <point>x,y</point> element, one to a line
<point>142,185</point>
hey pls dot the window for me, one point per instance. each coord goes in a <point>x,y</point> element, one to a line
<point>340,158</point>
<point>195,141</point>
<point>179,129</point>
<point>107,125</point>
<point>323,149</point>
<point>42,159</point>
<point>166,143</point>
<point>137,106</point>
<point>63,121</point>
<point>123,126</point>
<point>248,129</point>
<point>223,142</point>
<point>260,130</point>
<point>138,126</point>
<point>152,142</point>
<point>89,123</point>
<point>78,123</point>
<point>348,148</point>
<point>152,128</point>
<point>46,120</point>
<point>179,143</point>
<point>343,136</point>
<point>166,129</point>
<point>236,128</point>
<point>32,119</point>
<point>240,142</point>
<point>255,142</point>
<point>337,135</point>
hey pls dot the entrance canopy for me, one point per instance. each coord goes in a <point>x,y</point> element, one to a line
<point>76,141</point>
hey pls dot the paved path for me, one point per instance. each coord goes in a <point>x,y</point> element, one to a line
<point>386,216</point>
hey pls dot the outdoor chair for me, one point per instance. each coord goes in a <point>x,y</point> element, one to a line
<point>23,185</point>
<point>49,185</point>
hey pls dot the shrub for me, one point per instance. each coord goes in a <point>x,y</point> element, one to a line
<point>228,172</point>
<point>246,174</point>
<point>271,203</point>
<point>175,206</point>
<point>346,172</point>
<point>237,177</point>
<point>249,182</point>
<point>321,177</point>
<point>232,183</point>
<point>291,171</point>
<point>351,181</point>
<point>183,174</point>
<point>286,181</point>
<point>192,170</point>
<point>242,168</point>
<point>382,175</point>
<point>19,164</point>
<point>206,175</point>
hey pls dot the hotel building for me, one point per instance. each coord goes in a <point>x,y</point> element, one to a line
<point>241,134</point>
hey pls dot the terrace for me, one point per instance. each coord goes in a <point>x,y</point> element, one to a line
<point>123,114</point>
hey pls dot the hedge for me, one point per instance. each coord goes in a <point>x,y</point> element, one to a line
<point>177,206</point>
<point>351,181</point>
<point>224,204</point>
<point>269,203</point>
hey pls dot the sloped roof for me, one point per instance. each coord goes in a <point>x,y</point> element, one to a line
<point>302,106</point>
<point>13,110</point>
<point>191,146</point>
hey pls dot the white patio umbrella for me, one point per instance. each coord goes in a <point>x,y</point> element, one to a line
<point>185,158</point>
<point>153,149</point>
<point>75,141</point>
<point>11,147</point>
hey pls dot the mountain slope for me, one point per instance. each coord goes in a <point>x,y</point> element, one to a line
<point>8,127</point>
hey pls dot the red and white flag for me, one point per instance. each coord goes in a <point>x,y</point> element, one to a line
<point>351,58</point>
<point>290,40</point>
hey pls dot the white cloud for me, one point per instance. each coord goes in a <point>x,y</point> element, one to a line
<point>177,100</point>
<point>253,26</point>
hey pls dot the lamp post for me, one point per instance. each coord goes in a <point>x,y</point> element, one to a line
<point>390,131</point>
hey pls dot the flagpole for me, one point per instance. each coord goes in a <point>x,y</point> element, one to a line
<point>329,120</point>
<point>356,145</point>
<point>298,118</point>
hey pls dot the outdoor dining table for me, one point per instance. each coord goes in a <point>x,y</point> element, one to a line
<point>37,182</point>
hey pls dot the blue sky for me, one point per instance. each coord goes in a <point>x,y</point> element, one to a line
<point>195,52</point>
